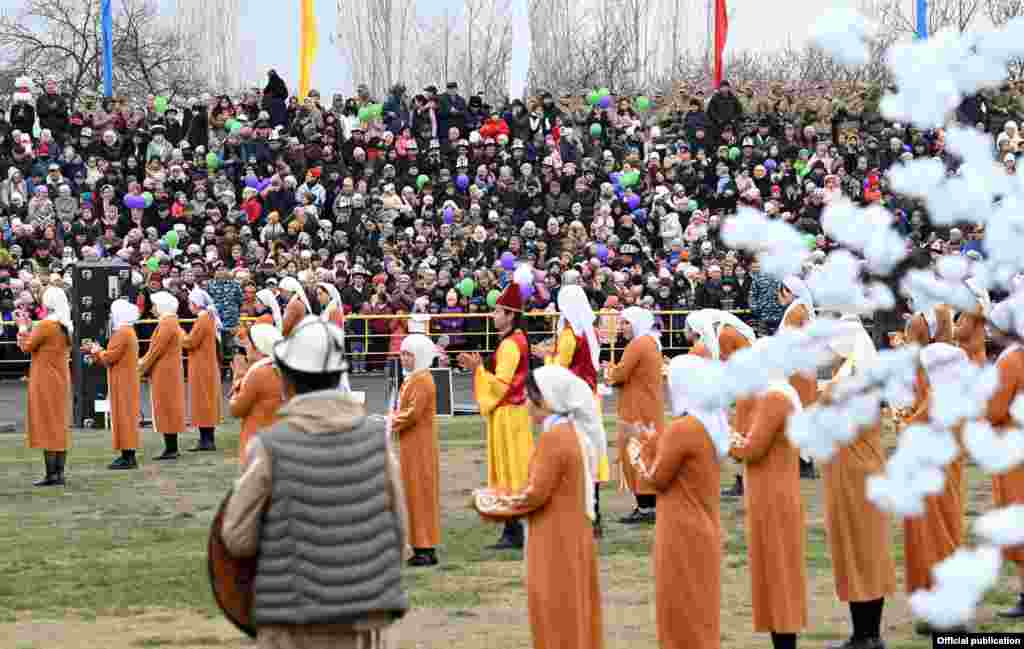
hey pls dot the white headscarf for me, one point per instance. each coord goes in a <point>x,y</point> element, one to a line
<point>293,286</point>
<point>165,303</point>
<point>942,362</point>
<point>854,346</point>
<point>204,301</point>
<point>802,295</point>
<point>984,299</point>
<point>123,312</point>
<point>642,322</point>
<point>707,323</point>
<point>576,310</point>
<point>569,396</point>
<point>335,300</point>
<point>266,298</point>
<point>422,348</point>
<point>715,422</point>
<point>57,308</point>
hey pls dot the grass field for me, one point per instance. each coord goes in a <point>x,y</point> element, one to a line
<point>117,560</point>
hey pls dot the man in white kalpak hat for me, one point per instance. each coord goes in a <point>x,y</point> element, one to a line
<point>334,466</point>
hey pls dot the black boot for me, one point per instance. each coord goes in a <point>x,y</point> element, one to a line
<point>735,491</point>
<point>126,461</point>
<point>50,458</point>
<point>807,471</point>
<point>59,460</point>
<point>206,441</point>
<point>511,539</point>
<point>598,529</point>
<point>170,448</point>
<point>423,558</point>
<point>1016,612</point>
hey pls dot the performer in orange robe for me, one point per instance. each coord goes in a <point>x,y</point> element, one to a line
<point>1008,487</point>
<point>970,326</point>
<point>562,580</point>
<point>796,297</point>
<point>930,538</point>
<point>775,517</point>
<point>639,375</point>
<point>683,466</point>
<point>163,364</point>
<point>858,533</point>
<point>204,384</point>
<point>298,304</point>
<point>414,424</point>
<point>259,393</point>
<point>121,358</point>
<point>49,382</point>
<point>717,335</point>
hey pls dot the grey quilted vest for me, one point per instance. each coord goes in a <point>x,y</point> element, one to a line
<point>330,543</point>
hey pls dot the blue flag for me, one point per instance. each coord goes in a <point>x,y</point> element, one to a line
<point>922,19</point>
<point>107,27</point>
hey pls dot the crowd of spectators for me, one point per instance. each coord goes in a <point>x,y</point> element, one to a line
<point>397,208</point>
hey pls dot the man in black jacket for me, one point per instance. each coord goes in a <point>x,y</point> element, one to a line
<point>724,109</point>
<point>52,111</point>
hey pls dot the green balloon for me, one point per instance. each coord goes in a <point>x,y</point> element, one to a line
<point>595,130</point>
<point>422,180</point>
<point>148,197</point>
<point>171,238</point>
<point>492,297</point>
<point>153,264</point>
<point>643,104</point>
<point>364,114</point>
<point>212,161</point>
<point>692,205</point>
<point>160,104</point>
<point>236,127</point>
<point>593,98</point>
<point>466,287</point>
<point>378,110</point>
<point>630,178</point>
<point>734,153</point>
<point>603,92</point>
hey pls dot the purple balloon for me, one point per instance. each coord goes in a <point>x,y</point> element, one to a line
<point>633,202</point>
<point>263,185</point>
<point>135,202</point>
<point>640,215</point>
<point>252,182</point>
<point>602,252</point>
<point>508,261</point>
<point>462,182</point>
<point>449,215</point>
<point>616,177</point>
<point>605,102</point>
<point>526,291</point>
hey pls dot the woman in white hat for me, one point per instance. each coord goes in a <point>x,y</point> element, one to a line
<point>684,467</point>
<point>562,581</point>
<point>204,375</point>
<point>121,358</point>
<point>795,295</point>
<point>257,395</point>
<point>163,364</point>
<point>49,382</point>
<point>270,310</point>
<point>332,309</point>
<point>413,424</point>
<point>298,304</point>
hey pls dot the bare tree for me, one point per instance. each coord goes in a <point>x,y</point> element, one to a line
<point>61,38</point>
<point>373,37</point>
<point>897,16</point>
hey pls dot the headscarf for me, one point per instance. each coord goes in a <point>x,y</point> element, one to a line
<point>293,286</point>
<point>802,293</point>
<point>57,308</point>
<point>854,346</point>
<point>165,303</point>
<point>123,312</point>
<point>335,296</point>
<point>982,295</point>
<point>707,323</point>
<point>267,299</point>
<point>942,362</point>
<point>642,322</point>
<point>576,310</point>
<point>716,422</point>
<point>204,301</point>
<point>422,348</point>
<point>570,397</point>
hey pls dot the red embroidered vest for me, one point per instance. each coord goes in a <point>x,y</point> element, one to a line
<point>582,364</point>
<point>516,394</point>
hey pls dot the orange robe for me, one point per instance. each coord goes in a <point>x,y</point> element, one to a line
<point>775,519</point>
<point>563,591</point>
<point>293,315</point>
<point>256,403</point>
<point>805,384</point>
<point>121,358</point>
<point>933,536</point>
<point>859,534</point>
<point>641,399</point>
<point>918,333</point>
<point>414,424</point>
<point>729,342</point>
<point>167,377</point>
<point>684,470</point>
<point>49,382</point>
<point>1008,487</point>
<point>204,386</point>
<point>970,336</point>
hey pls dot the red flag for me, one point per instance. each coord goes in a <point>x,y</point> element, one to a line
<point>721,33</point>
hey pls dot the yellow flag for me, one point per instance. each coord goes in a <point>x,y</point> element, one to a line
<point>307,47</point>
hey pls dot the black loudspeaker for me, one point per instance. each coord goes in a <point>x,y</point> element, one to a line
<point>442,380</point>
<point>94,288</point>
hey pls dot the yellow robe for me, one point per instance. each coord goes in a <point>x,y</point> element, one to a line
<point>566,351</point>
<point>509,439</point>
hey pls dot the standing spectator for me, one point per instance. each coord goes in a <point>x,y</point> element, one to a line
<point>275,97</point>
<point>227,295</point>
<point>724,109</point>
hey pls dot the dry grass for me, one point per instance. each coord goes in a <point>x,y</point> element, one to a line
<point>117,559</point>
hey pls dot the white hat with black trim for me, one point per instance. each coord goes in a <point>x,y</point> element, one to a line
<point>315,347</point>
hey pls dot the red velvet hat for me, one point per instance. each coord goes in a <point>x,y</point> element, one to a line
<point>511,298</point>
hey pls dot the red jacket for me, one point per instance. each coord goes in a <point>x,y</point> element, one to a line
<point>493,128</point>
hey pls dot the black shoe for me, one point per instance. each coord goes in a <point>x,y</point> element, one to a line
<point>735,491</point>
<point>123,463</point>
<point>202,448</point>
<point>638,516</point>
<point>423,560</point>
<point>857,643</point>
<point>1016,612</point>
<point>167,455</point>
<point>511,537</point>
<point>807,471</point>
<point>505,543</point>
<point>53,477</point>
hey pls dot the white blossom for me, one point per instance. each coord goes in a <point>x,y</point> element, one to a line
<point>1003,527</point>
